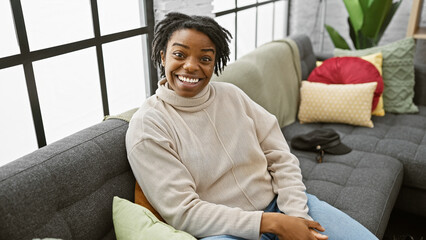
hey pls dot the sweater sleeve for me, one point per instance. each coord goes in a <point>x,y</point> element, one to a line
<point>170,188</point>
<point>282,164</point>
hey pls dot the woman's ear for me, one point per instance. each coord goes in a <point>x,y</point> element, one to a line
<point>162,57</point>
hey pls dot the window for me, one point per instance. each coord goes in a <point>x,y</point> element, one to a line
<point>9,44</point>
<point>51,23</point>
<point>64,65</point>
<point>17,129</point>
<point>252,22</point>
<point>69,94</point>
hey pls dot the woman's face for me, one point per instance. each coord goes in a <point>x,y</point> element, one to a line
<point>189,61</point>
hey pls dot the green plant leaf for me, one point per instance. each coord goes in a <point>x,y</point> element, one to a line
<point>388,19</point>
<point>365,42</point>
<point>353,35</point>
<point>356,15</point>
<point>338,41</point>
<point>375,12</point>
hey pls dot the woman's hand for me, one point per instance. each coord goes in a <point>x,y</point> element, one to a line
<point>288,227</point>
<point>318,235</point>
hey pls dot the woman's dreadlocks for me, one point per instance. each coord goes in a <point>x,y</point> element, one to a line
<point>177,21</point>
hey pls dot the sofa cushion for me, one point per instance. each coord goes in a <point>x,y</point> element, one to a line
<point>395,138</point>
<point>400,136</point>
<point>362,184</point>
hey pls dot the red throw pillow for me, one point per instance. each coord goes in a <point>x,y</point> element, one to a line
<point>344,70</point>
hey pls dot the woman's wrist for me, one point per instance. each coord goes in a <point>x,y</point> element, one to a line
<point>267,224</point>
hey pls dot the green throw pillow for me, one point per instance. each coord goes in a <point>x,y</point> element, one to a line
<point>398,73</point>
<point>132,221</point>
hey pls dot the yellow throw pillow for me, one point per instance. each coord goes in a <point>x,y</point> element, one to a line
<point>377,60</point>
<point>337,103</point>
<point>379,110</point>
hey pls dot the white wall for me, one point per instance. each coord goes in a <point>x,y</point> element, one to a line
<point>189,7</point>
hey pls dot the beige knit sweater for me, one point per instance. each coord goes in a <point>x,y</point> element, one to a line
<point>211,163</point>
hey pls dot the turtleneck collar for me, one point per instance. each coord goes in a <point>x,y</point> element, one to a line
<point>192,104</point>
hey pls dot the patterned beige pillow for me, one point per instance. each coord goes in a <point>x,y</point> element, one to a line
<point>337,103</point>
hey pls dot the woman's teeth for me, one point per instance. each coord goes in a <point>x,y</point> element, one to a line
<point>189,80</point>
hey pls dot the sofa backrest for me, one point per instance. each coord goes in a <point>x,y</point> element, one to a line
<point>307,54</point>
<point>65,190</point>
<point>420,72</point>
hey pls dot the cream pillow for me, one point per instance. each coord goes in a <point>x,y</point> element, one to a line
<point>337,103</point>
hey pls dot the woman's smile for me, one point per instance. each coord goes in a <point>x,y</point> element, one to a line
<point>188,79</point>
<point>187,83</point>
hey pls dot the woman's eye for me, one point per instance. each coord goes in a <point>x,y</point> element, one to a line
<point>206,59</point>
<point>178,54</point>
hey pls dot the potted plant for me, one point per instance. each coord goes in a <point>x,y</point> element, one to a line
<point>368,20</point>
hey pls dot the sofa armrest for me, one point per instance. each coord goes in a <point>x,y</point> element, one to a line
<point>65,189</point>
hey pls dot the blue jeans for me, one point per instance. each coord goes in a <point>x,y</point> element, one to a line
<point>338,225</point>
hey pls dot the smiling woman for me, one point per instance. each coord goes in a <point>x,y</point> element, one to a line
<point>188,62</point>
<point>211,161</point>
<point>189,51</point>
<point>218,35</point>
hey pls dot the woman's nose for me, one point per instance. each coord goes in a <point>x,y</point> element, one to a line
<point>190,65</point>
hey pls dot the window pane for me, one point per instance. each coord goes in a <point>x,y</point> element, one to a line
<point>116,16</point>
<point>16,126</point>
<point>222,5</point>
<point>124,66</point>
<point>280,24</point>
<point>9,43</point>
<point>242,3</point>
<point>52,22</point>
<point>246,31</point>
<point>265,23</point>
<point>69,93</point>
<point>228,21</point>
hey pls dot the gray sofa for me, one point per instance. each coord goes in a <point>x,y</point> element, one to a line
<point>387,165</point>
<point>65,190</point>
